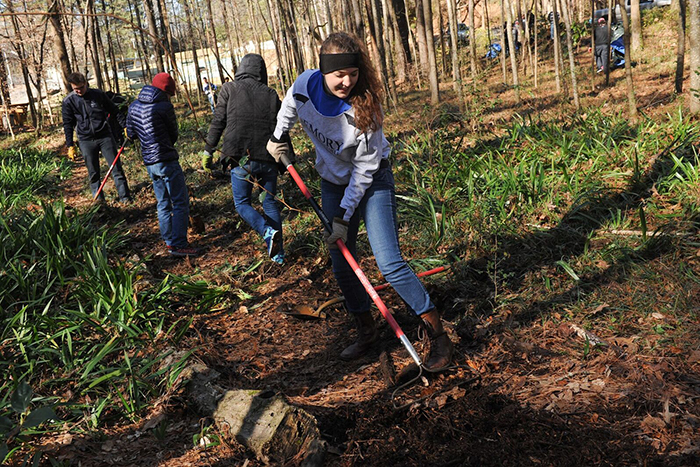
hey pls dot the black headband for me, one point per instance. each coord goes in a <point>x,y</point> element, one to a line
<point>333,62</point>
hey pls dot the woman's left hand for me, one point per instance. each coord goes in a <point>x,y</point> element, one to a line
<point>340,232</point>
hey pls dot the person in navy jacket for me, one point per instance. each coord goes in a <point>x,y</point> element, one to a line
<point>151,120</point>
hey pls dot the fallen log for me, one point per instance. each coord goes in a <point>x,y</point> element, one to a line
<point>262,421</point>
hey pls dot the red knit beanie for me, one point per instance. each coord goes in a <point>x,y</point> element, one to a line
<point>165,83</point>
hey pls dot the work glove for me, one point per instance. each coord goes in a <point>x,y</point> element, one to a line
<point>277,150</point>
<point>71,153</point>
<point>340,231</point>
<point>207,161</point>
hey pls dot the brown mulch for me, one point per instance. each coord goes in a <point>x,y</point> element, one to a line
<point>526,391</point>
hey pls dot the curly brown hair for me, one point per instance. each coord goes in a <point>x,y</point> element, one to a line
<point>366,96</point>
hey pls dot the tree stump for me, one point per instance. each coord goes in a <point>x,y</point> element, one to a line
<point>267,425</point>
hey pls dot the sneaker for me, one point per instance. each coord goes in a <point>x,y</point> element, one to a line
<point>273,238</point>
<point>278,258</point>
<point>186,251</point>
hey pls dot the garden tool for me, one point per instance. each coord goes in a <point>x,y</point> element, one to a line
<point>111,167</point>
<point>353,264</point>
<point>306,311</point>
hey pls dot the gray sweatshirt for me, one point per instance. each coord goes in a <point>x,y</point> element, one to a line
<point>344,156</point>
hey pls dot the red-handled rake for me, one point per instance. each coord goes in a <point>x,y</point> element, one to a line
<point>111,167</point>
<point>371,291</point>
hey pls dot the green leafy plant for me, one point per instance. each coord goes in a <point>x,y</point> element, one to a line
<point>19,423</point>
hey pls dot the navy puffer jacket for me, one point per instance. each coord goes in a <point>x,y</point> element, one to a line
<point>152,121</point>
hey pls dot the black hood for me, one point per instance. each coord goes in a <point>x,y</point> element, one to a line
<point>252,66</point>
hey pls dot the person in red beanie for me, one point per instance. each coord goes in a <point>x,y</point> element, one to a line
<point>152,121</point>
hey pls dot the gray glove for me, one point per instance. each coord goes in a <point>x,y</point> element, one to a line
<point>277,150</point>
<point>340,231</point>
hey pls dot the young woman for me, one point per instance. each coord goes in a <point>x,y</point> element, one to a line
<point>339,107</point>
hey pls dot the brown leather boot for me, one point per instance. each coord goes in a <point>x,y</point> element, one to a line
<point>367,335</point>
<point>441,348</point>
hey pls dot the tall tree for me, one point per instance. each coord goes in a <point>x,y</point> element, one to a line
<point>680,45</point>
<point>430,45</point>
<point>456,68</point>
<point>511,46</point>
<point>18,45</point>
<point>557,46</point>
<point>153,30</point>
<point>631,101</point>
<point>229,35</point>
<point>472,41</point>
<point>570,47</point>
<point>636,17</point>
<point>694,58</point>
<point>59,42</point>
<point>214,41</point>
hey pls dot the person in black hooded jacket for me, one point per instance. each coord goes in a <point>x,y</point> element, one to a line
<point>246,115</point>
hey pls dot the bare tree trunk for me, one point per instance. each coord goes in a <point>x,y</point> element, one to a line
<point>537,55</point>
<point>145,63</point>
<point>400,58</point>
<point>611,5</point>
<point>195,59</point>
<point>165,19</point>
<point>694,58</point>
<point>430,45</point>
<point>628,63</point>
<point>229,37</point>
<point>680,49</point>
<point>18,45</point>
<point>511,45</point>
<point>215,41</point>
<point>59,44</point>
<point>456,68</point>
<point>358,27</point>
<point>441,38</point>
<point>102,54</point>
<point>472,40</point>
<point>153,30</point>
<point>570,47</point>
<point>420,39</point>
<point>504,38</point>
<point>557,47</point>
<point>112,56</point>
<point>636,14</point>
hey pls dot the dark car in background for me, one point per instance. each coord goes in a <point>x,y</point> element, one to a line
<point>643,5</point>
<point>462,33</point>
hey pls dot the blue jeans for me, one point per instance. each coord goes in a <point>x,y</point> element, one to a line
<point>265,173</point>
<point>172,201</point>
<point>378,208</point>
<point>91,149</point>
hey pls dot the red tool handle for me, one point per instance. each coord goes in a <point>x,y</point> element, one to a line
<point>353,264</point>
<point>111,167</point>
<point>429,272</point>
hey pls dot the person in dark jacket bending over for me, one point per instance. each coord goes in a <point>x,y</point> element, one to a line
<point>246,115</point>
<point>87,111</point>
<point>152,121</point>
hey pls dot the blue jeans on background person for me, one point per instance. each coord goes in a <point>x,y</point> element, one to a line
<point>378,209</point>
<point>172,201</point>
<point>242,186</point>
<point>90,150</point>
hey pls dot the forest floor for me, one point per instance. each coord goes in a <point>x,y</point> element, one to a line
<point>528,390</point>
